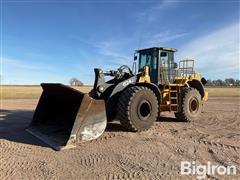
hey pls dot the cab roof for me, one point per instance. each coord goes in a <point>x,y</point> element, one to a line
<point>157,48</point>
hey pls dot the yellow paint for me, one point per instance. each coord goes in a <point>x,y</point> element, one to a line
<point>170,97</point>
<point>181,81</point>
<point>197,76</point>
<point>145,78</point>
<point>168,102</point>
<point>205,98</point>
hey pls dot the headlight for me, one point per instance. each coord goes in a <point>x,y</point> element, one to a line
<point>100,89</point>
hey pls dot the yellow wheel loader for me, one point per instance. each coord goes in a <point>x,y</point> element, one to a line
<point>135,97</point>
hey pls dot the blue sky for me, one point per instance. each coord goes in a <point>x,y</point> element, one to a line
<point>53,41</point>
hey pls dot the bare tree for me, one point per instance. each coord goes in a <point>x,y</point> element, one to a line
<point>237,82</point>
<point>230,82</point>
<point>75,82</point>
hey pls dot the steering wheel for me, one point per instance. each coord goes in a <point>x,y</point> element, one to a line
<point>121,71</point>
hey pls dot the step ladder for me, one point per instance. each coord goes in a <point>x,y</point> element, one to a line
<point>173,98</point>
<point>171,101</point>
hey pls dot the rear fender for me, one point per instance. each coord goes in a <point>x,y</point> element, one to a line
<point>197,85</point>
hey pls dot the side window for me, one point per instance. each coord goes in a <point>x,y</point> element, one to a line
<point>164,58</point>
<point>155,62</point>
<point>148,60</point>
<point>171,58</point>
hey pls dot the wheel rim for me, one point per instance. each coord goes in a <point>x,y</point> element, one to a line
<point>193,105</point>
<point>144,110</point>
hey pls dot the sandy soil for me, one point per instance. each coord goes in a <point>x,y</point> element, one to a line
<point>119,154</point>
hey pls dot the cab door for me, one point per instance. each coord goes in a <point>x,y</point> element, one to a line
<point>166,66</point>
<point>149,59</point>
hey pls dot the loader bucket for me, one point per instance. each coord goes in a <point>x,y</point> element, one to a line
<point>65,116</point>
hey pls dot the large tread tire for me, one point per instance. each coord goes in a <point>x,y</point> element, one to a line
<point>137,108</point>
<point>190,105</point>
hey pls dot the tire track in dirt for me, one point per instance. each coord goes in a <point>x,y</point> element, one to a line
<point>109,135</point>
<point>220,145</point>
<point>93,160</point>
<point>8,146</point>
<point>219,120</point>
<point>118,154</point>
<point>136,175</point>
<point>24,159</point>
<point>36,168</point>
<point>211,143</point>
<point>224,160</point>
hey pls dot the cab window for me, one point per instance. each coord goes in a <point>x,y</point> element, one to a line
<point>148,59</point>
<point>164,58</point>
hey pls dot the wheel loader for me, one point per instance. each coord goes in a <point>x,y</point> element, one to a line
<point>135,96</point>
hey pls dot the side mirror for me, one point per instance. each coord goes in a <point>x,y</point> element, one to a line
<point>175,65</point>
<point>135,58</point>
<point>203,81</point>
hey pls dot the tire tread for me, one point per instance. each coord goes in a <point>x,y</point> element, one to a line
<point>124,103</point>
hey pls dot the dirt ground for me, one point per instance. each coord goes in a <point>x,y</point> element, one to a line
<point>119,154</point>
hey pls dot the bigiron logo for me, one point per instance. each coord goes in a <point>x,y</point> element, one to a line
<point>201,171</point>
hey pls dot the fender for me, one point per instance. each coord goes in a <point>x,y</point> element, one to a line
<point>154,88</point>
<point>112,99</point>
<point>198,85</point>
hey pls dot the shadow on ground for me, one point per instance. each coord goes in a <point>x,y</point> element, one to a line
<point>169,119</point>
<point>13,124</point>
<point>115,127</point>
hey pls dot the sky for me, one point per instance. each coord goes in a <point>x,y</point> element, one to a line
<point>55,40</point>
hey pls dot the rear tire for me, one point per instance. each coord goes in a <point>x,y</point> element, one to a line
<point>190,105</point>
<point>137,108</point>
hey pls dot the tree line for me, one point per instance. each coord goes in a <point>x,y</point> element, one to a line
<point>231,82</point>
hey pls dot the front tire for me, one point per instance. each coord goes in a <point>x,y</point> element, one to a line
<point>138,108</point>
<point>190,105</point>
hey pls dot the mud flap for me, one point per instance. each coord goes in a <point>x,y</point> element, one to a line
<point>65,117</point>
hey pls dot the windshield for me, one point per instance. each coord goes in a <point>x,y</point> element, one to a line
<point>149,59</point>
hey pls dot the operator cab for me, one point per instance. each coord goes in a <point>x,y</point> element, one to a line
<point>160,62</point>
